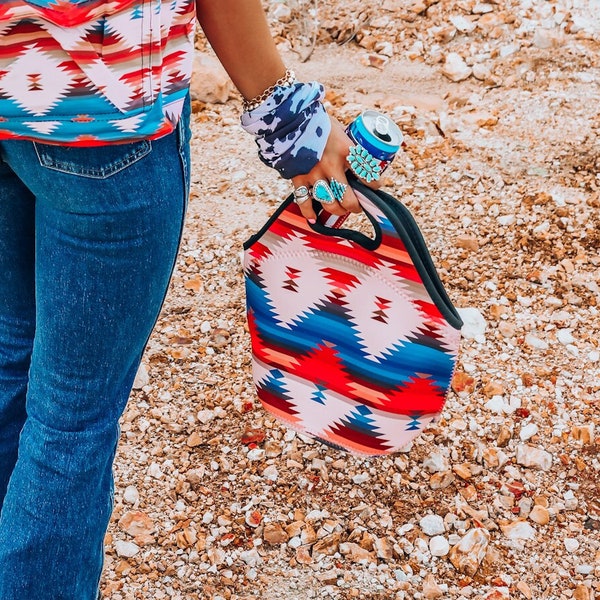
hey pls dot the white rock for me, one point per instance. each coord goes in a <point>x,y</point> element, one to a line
<point>467,555</point>
<point>518,530</point>
<point>463,24</point>
<point>565,337</point>
<point>126,549</point>
<point>455,68</point>
<point>131,495</point>
<point>154,471</point>
<point>528,431</point>
<point>481,72</point>
<point>271,473</point>
<point>439,545</point>
<point>360,478</point>
<point>436,462</point>
<point>142,378</point>
<point>584,569</point>
<point>432,525</point>
<point>496,405</point>
<point>474,323</point>
<point>205,326</point>
<point>571,545</point>
<point>205,416</point>
<point>256,454</point>
<point>528,456</point>
<point>535,342</point>
<point>251,557</point>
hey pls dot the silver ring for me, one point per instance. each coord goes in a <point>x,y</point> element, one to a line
<point>322,192</point>
<point>301,194</point>
<point>338,189</point>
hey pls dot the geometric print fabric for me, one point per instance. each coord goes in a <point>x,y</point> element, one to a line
<point>348,345</point>
<point>93,72</point>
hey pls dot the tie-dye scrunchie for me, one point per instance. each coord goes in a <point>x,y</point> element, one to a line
<point>291,128</point>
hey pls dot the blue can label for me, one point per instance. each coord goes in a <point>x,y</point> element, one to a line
<point>377,134</point>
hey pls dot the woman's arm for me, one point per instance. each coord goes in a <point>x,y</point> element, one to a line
<point>239,34</point>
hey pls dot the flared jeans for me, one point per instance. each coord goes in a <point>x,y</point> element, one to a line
<point>88,242</point>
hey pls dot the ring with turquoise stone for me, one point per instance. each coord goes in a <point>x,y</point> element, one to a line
<point>363,164</point>
<point>322,192</point>
<point>338,189</point>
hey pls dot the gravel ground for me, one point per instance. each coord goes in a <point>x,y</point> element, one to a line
<point>215,500</point>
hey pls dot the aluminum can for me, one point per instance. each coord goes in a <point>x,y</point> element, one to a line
<point>377,134</point>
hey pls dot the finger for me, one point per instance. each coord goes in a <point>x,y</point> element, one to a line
<point>303,198</point>
<point>323,193</point>
<point>344,193</point>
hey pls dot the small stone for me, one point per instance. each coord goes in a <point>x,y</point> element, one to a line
<point>131,495</point>
<point>584,433</point>
<point>474,323</point>
<point>518,530</point>
<point>328,545</point>
<point>431,589</point>
<point>382,547</point>
<point>528,456</point>
<point>126,549</point>
<point>436,462</point>
<point>357,554</point>
<point>142,378</point>
<point>432,525</point>
<point>275,534</point>
<point>194,440</point>
<point>455,68</point>
<point>253,518</point>
<point>138,525</point>
<point>463,470</point>
<point>210,82</point>
<point>571,545</point>
<point>524,589</point>
<point>540,515</point>
<point>528,431</point>
<point>533,341</point>
<point>468,554</point>
<point>581,592</point>
<point>504,436</point>
<point>439,546</point>
<point>440,481</point>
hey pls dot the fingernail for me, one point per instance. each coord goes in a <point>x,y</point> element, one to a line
<point>312,221</point>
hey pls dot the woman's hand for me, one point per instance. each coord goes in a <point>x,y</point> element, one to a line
<point>333,165</point>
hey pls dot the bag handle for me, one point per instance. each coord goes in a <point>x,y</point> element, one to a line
<point>407,230</point>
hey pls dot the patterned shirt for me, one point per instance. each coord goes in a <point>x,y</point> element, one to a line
<point>91,72</point>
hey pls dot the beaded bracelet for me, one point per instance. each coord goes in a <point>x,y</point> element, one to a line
<point>286,81</point>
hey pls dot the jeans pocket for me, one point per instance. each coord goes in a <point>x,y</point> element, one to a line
<point>97,162</point>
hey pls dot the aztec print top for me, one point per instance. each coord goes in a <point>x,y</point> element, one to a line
<point>91,72</point>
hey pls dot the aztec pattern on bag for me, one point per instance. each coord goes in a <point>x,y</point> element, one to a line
<point>347,344</point>
<point>88,72</point>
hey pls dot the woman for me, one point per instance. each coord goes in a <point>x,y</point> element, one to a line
<point>94,176</point>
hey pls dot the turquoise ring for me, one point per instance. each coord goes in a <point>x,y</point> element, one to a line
<point>363,165</point>
<point>338,189</point>
<point>322,192</point>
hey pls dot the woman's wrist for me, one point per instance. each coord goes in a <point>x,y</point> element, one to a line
<point>287,80</point>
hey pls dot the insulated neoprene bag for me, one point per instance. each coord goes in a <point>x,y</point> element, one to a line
<point>354,338</point>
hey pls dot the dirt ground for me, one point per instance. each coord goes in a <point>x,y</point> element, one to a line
<point>498,104</point>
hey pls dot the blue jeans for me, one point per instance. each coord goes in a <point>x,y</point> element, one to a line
<point>88,241</point>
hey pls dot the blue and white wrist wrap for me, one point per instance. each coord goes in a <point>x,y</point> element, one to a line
<point>291,128</point>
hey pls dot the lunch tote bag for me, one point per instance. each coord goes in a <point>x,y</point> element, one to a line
<point>354,338</point>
